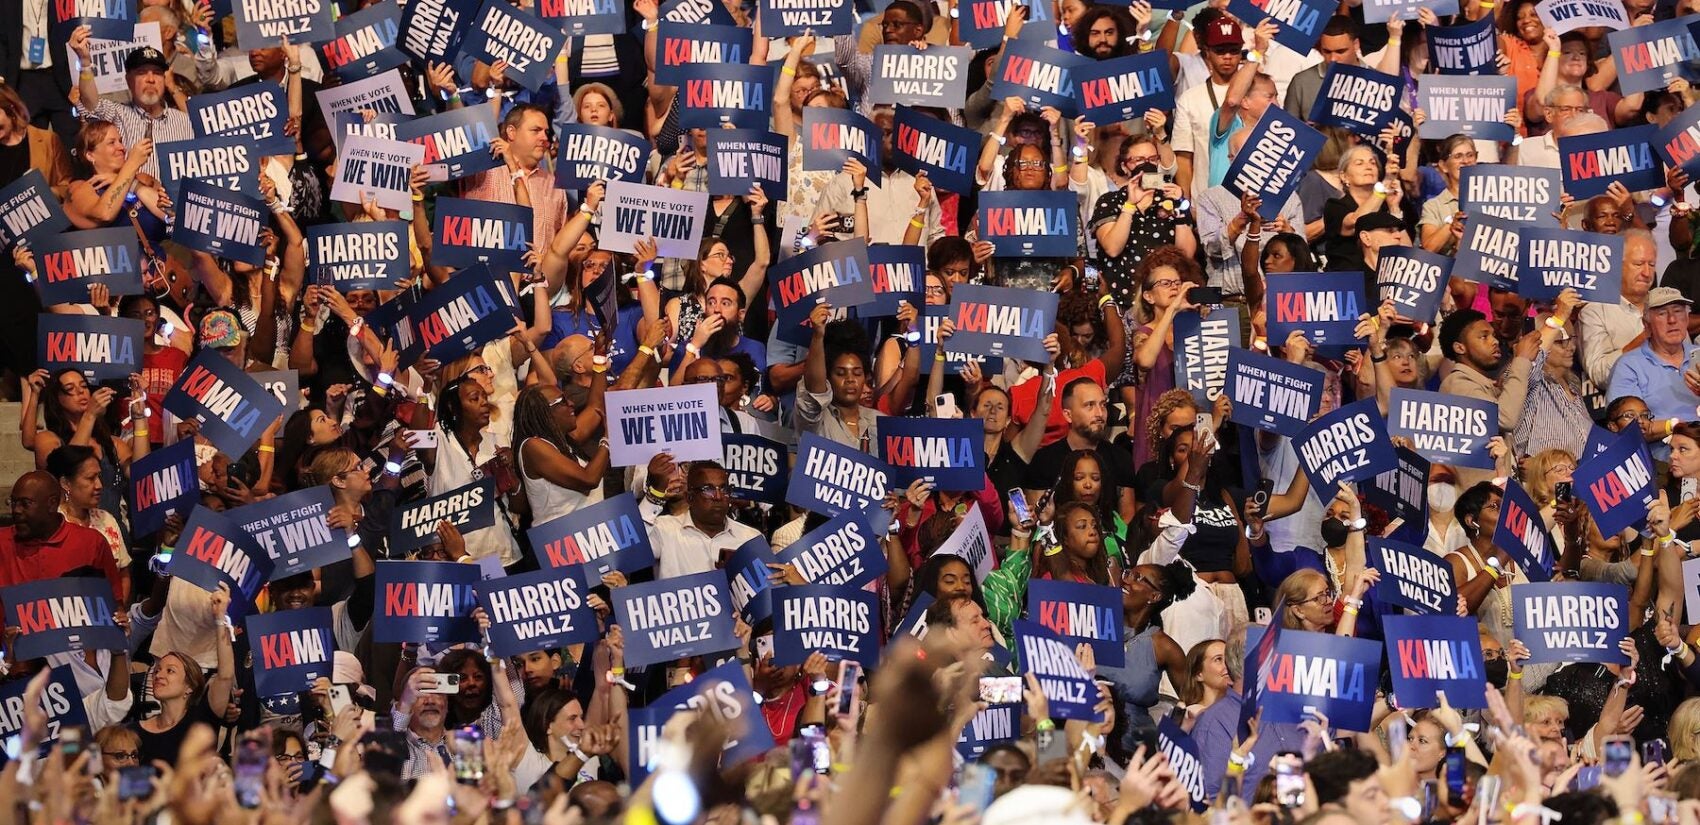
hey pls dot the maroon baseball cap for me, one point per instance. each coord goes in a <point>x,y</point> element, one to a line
<point>1223,31</point>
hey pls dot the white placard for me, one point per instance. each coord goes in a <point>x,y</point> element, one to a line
<point>384,93</point>
<point>673,217</point>
<point>382,168</point>
<point>683,421</point>
<point>971,543</point>
<point>1565,16</point>
<point>107,57</point>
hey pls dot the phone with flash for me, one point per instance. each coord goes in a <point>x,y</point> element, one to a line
<point>422,439</point>
<point>944,406</point>
<point>443,683</point>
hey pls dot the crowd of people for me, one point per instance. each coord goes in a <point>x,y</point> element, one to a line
<point>1102,468</point>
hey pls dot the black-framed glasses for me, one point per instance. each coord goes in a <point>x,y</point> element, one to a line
<point>1324,597</point>
<point>122,756</point>
<point>705,379</point>
<point>712,490</point>
<point>1630,418</point>
<point>286,758</point>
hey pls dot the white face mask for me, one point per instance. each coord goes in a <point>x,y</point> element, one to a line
<point>1442,496</point>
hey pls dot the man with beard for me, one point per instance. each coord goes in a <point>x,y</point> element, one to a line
<point>694,541</point>
<point>1105,33</point>
<point>721,330</point>
<point>145,117</point>
<point>423,714</point>
<point>1466,337</point>
<point>898,202</point>
<point>480,683</point>
<point>1084,407</point>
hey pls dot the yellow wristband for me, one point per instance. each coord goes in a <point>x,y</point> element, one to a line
<point>1061,167</point>
<point>1553,53</point>
<point>788,70</point>
<point>1351,611</point>
<point>938,355</point>
<point>1104,300</point>
<point>267,448</point>
<point>916,222</point>
<point>1129,208</point>
<point>647,350</point>
<point>678,184</point>
<point>1515,677</point>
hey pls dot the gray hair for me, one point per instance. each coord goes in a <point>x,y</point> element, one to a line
<point>1552,96</point>
<point>1346,157</point>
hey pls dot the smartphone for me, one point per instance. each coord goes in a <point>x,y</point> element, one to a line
<point>1202,295</point>
<point>842,223</point>
<point>445,683</point>
<point>1618,751</point>
<point>944,406</point>
<point>849,676</point>
<point>1151,181</point>
<point>976,786</point>
<point>1487,796</point>
<point>1654,752</point>
<point>422,439</point>
<point>71,743</point>
<point>1431,800</point>
<point>1260,497</point>
<point>1561,490</point>
<point>1206,423</point>
<point>1289,782</point>
<point>810,751</point>
<point>1000,690</point>
<point>341,697</point>
<point>1398,735</point>
<point>1457,777</point>
<point>135,782</point>
<point>1018,505</point>
<point>1091,277</point>
<point>1690,488</point>
<point>467,755</point>
<point>253,755</point>
<point>1661,808</point>
<point>764,646</point>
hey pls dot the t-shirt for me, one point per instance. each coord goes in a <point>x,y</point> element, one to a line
<point>1024,398</point>
<point>1046,467</point>
<point>159,373</point>
<point>70,547</point>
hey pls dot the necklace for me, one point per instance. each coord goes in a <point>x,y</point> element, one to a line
<point>1335,574</point>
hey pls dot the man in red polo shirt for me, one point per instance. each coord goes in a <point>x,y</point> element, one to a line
<point>41,544</point>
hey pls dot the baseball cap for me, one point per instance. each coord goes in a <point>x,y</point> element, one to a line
<point>1223,32</point>
<point>1379,220</point>
<point>221,329</point>
<point>1665,296</point>
<point>146,56</point>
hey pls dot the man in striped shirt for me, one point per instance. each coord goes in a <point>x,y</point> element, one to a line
<point>146,115</point>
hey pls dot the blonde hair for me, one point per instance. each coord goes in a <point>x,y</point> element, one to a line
<point>1536,707</point>
<point>1535,473</point>
<point>1293,589</point>
<point>193,676</point>
<point>1167,403</point>
<point>327,463</point>
<point>1684,743</point>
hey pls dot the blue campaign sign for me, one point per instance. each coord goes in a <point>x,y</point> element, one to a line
<point>949,452</point>
<point>1273,159</point>
<point>62,615</point>
<point>954,360</point>
<point>1474,106</point>
<point>462,315</point>
<point>945,152</point>
<point>1571,621</point>
<point>1618,485</point>
<point>679,47</point>
<point>696,11</point>
<point>263,25</point>
<point>915,621</point>
<point>840,621</point>
<point>1649,57</point>
<point>68,264</point>
<point>1332,675</point>
<point>1412,577</point>
<point>469,508</point>
<point>750,581</point>
<point>1522,533</point>
<point>582,17</point>
<point>539,610</point>
<point>1177,746</point>
<point>1516,195</point>
<point>214,548</point>
<point>1590,163</point>
<point>1272,393</point>
<point>101,347</point>
<point>1468,48</point>
<point>1124,88</point>
<point>738,158</point>
<point>295,531</point>
<point>227,161</point>
<point>470,232</point>
<point>1678,141</point>
<point>29,209</point>
<point>757,468</point>
<point>712,95</point>
<point>832,273</point>
<point>991,725</point>
<point>1023,224</point>
<point>458,140</point>
<point>220,222</point>
<point>162,482</point>
<point>983,21</point>
<point>1002,322</point>
<point>257,113</point>
<point>504,31</point>
<point>1381,11</point>
<point>1298,24</point>
<point>1356,98</point>
<point>431,30</point>
<point>830,478</point>
<point>1066,684</point>
<point>1325,306</point>
<point>727,687</point>
<point>61,700</point>
<point>1599,440</point>
<point>1077,613</point>
<point>675,618</point>
<point>1201,352</point>
<point>1414,278</point>
<point>832,136</point>
<point>789,18</point>
<point>1433,654</point>
<point>1588,262</point>
<point>1489,252</point>
<point>1348,444</point>
<point>1038,74</point>
<point>1401,492</point>
<point>365,42</point>
<point>291,649</point>
<point>425,602</point>
<point>845,550</point>
<point>898,273</point>
<point>1448,429</point>
<point>908,76</point>
<point>232,408</point>
<point>351,256</point>
<point>597,539</point>
<point>598,153</point>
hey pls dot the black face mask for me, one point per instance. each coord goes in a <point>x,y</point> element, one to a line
<point>1334,532</point>
<point>1496,671</point>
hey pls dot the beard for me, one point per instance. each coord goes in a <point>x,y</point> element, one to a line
<point>149,98</point>
<point>722,342</point>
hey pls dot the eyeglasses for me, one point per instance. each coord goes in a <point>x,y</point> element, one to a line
<point>1029,164</point>
<point>285,758</point>
<point>1561,469</point>
<point>1324,596</point>
<point>1135,160</point>
<point>1461,156</point>
<point>1165,283</point>
<point>712,490</point>
<point>1631,417</point>
<point>481,369</point>
<point>934,289</point>
<point>709,379</point>
<point>720,254</point>
<point>1570,110</point>
<point>1132,573</point>
<point>122,756</point>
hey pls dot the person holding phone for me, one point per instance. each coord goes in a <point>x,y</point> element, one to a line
<point>1164,277</point>
<point>1369,188</point>
<point>187,696</point>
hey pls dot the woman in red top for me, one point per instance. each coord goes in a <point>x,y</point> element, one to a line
<point>161,365</point>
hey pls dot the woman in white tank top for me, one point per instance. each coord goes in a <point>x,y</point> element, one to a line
<point>558,477</point>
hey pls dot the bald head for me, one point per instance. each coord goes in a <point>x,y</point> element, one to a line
<point>702,370</point>
<point>35,505</point>
<point>571,358</point>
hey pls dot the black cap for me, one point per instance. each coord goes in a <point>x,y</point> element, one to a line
<point>1379,220</point>
<point>146,56</point>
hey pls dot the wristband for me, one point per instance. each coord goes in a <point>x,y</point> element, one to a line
<point>916,222</point>
<point>1196,488</point>
<point>788,70</point>
<point>381,392</point>
<point>418,198</point>
<point>1552,53</point>
<point>1128,208</point>
<point>1552,323</point>
<point>1350,611</point>
<point>692,348</point>
<point>1060,168</point>
<point>647,350</point>
<point>392,468</point>
<point>938,355</point>
<point>1044,725</point>
<point>1516,676</point>
<point>599,363</point>
<point>385,379</point>
<point>267,448</point>
<point>1104,300</point>
<point>1378,359</point>
<point>657,494</point>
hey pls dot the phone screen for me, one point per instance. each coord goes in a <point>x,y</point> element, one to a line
<point>1457,776</point>
<point>135,782</point>
<point>1018,504</point>
<point>1618,751</point>
<point>848,673</point>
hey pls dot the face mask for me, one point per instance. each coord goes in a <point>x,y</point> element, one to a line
<point>1334,532</point>
<point>1442,496</point>
<point>1496,672</point>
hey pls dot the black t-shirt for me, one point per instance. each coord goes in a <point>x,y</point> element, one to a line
<point>1046,467</point>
